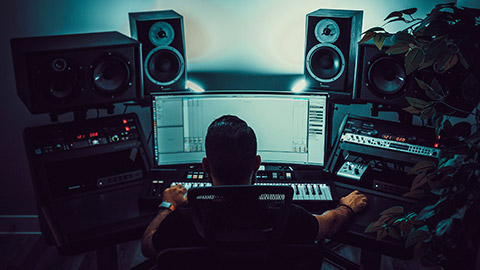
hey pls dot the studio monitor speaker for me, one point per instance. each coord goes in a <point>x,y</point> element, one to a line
<point>382,78</point>
<point>331,47</point>
<point>70,72</point>
<point>163,48</point>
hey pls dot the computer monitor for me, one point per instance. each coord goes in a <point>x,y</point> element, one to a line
<point>290,128</point>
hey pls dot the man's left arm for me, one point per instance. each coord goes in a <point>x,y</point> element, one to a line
<point>174,195</point>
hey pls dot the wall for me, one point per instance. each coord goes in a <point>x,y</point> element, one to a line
<point>247,36</point>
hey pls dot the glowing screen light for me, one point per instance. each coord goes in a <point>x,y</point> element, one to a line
<point>194,87</point>
<point>299,86</point>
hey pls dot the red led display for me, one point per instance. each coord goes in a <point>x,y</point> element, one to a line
<point>127,128</point>
<point>89,135</point>
<point>125,121</point>
<point>394,138</point>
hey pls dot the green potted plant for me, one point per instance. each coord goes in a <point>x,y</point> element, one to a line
<point>442,53</point>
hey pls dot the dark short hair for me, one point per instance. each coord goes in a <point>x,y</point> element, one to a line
<point>231,148</point>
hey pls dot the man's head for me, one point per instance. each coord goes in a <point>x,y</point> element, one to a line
<point>231,147</point>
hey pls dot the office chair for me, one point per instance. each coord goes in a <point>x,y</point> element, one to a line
<point>243,227</point>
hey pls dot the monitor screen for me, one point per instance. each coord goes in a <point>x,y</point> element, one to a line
<point>290,128</point>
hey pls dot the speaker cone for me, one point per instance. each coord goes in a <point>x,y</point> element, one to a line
<point>164,65</point>
<point>325,62</point>
<point>110,75</point>
<point>386,77</point>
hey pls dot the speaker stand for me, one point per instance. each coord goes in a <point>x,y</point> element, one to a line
<point>403,116</point>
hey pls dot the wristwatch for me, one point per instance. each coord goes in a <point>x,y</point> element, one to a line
<point>167,205</point>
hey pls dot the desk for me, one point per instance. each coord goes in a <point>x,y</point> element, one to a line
<point>97,221</point>
<point>353,233</point>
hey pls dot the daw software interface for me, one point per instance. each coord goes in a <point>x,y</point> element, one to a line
<point>290,129</point>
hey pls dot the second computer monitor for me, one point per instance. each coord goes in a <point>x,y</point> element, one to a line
<point>290,128</point>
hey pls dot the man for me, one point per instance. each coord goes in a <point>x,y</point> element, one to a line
<point>231,159</point>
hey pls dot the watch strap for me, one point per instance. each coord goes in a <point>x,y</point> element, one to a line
<point>167,205</point>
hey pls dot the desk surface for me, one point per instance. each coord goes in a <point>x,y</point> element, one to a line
<point>354,234</point>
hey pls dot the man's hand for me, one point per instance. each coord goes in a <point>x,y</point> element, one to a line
<point>356,200</point>
<point>175,195</point>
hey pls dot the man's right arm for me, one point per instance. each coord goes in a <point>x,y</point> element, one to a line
<point>176,196</point>
<point>331,221</point>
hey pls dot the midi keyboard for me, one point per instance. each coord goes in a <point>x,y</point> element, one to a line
<point>303,192</point>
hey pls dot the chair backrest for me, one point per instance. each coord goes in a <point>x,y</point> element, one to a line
<point>242,226</point>
<point>250,215</point>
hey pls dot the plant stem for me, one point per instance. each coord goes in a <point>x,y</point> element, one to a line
<point>457,109</point>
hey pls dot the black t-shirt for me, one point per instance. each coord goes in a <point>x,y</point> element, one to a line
<point>177,229</point>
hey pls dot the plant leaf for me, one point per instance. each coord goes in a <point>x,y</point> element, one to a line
<point>463,60</point>
<point>394,210</point>
<point>412,110</point>
<point>405,228</point>
<point>416,102</point>
<point>371,228</point>
<point>422,167</point>
<point>454,162</point>
<point>426,63</point>
<point>374,29</point>
<point>443,226</point>
<point>403,37</point>
<point>417,236</point>
<point>409,11</point>
<point>428,89</point>
<point>415,194</point>
<point>451,62</point>
<point>419,181</point>
<point>437,119</point>
<point>379,39</point>
<point>423,85</point>
<point>443,58</point>
<point>426,213</point>
<point>394,14</point>
<point>437,88</point>
<point>413,59</point>
<point>366,37</point>
<point>398,48</point>
<point>460,213</point>
<point>382,234</point>
<point>427,113</point>
<point>394,234</point>
<point>396,20</point>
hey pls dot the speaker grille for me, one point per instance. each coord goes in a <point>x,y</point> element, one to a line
<point>164,65</point>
